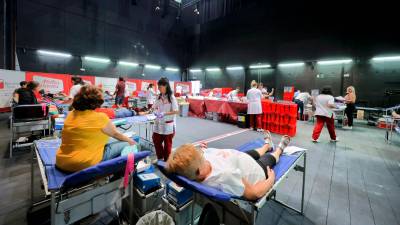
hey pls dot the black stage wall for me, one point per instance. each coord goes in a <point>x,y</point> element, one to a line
<point>123,29</point>
<point>282,31</point>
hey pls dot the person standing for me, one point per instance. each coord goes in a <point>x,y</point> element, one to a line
<point>350,100</point>
<point>264,91</point>
<point>254,109</point>
<point>76,87</point>
<point>150,96</point>
<point>324,103</point>
<point>301,100</point>
<point>119,92</point>
<point>233,94</point>
<point>165,108</point>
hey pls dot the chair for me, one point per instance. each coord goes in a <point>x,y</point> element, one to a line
<point>26,119</point>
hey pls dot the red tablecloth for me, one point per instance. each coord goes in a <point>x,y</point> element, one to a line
<point>196,108</point>
<point>229,111</point>
<point>213,105</point>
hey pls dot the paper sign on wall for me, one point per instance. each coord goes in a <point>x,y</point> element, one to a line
<point>107,84</point>
<point>51,85</point>
<point>9,81</point>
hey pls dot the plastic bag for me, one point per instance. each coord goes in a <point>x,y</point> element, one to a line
<point>156,218</point>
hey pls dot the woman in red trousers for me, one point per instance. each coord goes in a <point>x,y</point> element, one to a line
<point>324,103</point>
<point>165,107</point>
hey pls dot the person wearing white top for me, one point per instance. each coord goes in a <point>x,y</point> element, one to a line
<point>301,100</point>
<point>324,103</point>
<point>76,87</point>
<point>242,174</point>
<point>264,91</point>
<point>165,108</point>
<point>150,96</point>
<point>233,94</point>
<point>254,108</point>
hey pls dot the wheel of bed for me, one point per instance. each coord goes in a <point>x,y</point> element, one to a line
<point>68,202</point>
<point>243,210</point>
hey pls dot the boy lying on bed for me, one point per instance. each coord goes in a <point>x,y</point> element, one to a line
<point>241,174</point>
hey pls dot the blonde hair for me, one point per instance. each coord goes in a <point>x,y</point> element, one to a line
<point>353,90</point>
<point>185,160</point>
<point>253,83</point>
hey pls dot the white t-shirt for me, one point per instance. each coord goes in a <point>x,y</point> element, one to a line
<point>151,96</point>
<point>303,96</point>
<point>321,105</point>
<point>264,90</point>
<point>166,125</point>
<point>229,167</point>
<point>74,90</point>
<point>232,94</point>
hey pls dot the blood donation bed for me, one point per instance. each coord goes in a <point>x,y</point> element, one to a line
<point>74,196</point>
<point>234,209</point>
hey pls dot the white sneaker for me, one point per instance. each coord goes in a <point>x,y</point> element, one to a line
<point>336,140</point>
<point>347,128</point>
<point>315,141</point>
<point>260,130</point>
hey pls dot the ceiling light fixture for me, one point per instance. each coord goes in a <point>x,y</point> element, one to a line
<point>259,66</point>
<point>96,59</point>
<point>334,62</point>
<point>58,54</point>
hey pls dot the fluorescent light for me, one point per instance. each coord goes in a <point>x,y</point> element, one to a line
<point>387,58</point>
<point>213,69</point>
<point>59,54</point>
<point>294,64</point>
<point>259,66</point>
<point>234,68</point>
<point>155,67</point>
<point>96,59</point>
<point>333,62</point>
<point>195,70</point>
<point>172,69</point>
<point>124,63</point>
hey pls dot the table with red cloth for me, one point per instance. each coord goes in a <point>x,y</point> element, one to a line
<point>196,108</point>
<point>228,111</point>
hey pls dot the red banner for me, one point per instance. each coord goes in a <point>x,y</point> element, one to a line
<point>183,88</point>
<point>51,82</point>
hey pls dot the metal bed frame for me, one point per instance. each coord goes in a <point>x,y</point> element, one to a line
<point>242,211</point>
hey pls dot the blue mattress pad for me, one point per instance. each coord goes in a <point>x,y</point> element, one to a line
<point>57,179</point>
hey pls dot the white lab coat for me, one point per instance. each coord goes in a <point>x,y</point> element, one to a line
<point>254,97</point>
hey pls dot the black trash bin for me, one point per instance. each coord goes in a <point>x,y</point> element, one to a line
<point>243,120</point>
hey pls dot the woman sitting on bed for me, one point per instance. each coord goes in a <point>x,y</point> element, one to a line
<point>86,133</point>
<point>241,174</point>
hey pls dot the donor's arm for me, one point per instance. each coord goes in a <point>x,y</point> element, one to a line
<point>255,191</point>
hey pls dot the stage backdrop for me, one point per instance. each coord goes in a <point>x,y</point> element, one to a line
<point>9,81</point>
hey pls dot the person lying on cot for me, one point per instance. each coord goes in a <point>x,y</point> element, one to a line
<point>117,113</point>
<point>244,174</point>
<point>86,132</point>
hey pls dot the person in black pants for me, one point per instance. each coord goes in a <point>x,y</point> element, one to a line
<point>350,100</point>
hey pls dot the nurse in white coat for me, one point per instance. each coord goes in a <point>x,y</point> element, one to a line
<point>254,109</point>
<point>150,96</point>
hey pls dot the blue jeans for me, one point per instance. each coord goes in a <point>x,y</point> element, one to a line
<point>113,150</point>
<point>122,113</point>
<point>119,100</point>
